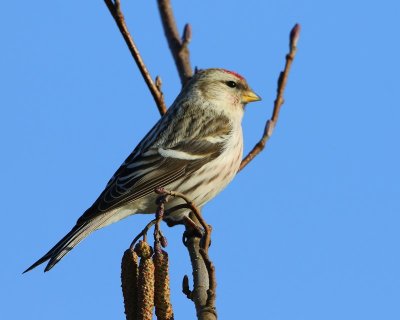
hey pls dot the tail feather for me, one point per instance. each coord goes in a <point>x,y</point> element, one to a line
<point>66,244</point>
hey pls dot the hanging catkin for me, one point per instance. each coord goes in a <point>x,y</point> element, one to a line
<point>162,286</point>
<point>145,281</point>
<point>129,279</point>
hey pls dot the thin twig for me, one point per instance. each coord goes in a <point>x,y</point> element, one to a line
<point>143,233</point>
<point>115,9</point>
<point>282,80</point>
<point>178,47</point>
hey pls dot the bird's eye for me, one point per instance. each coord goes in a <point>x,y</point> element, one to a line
<point>231,84</point>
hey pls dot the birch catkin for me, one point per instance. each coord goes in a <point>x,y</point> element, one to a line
<point>145,281</point>
<point>129,279</point>
<point>162,286</point>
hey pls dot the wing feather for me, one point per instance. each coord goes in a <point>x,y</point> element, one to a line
<point>147,168</point>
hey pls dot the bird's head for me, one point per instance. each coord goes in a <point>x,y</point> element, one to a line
<point>222,89</point>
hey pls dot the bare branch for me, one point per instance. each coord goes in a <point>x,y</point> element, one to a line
<point>179,47</point>
<point>204,279</point>
<point>282,80</point>
<point>115,9</point>
<point>200,294</point>
<point>212,279</point>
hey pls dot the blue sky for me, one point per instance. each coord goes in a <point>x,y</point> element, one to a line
<point>309,230</point>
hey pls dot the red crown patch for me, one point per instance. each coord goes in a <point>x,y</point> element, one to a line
<point>233,73</point>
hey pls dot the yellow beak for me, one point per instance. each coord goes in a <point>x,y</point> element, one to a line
<point>250,96</point>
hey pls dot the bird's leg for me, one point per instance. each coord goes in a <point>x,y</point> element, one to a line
<point>185,220</point>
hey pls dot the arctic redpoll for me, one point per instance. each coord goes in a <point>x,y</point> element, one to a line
<point>195,148</point>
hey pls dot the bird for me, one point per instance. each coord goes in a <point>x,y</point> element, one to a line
<point>195,148</point>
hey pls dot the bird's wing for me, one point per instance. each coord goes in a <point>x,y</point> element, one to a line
<point>156,167</point>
